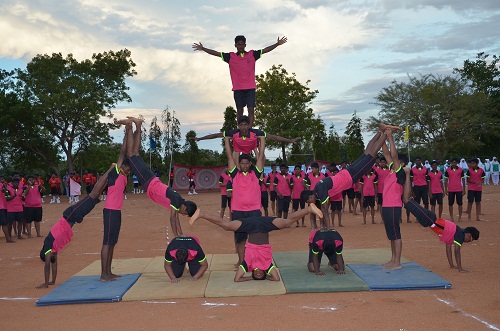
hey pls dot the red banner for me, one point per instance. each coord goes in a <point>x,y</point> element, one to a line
<point>206,178</point>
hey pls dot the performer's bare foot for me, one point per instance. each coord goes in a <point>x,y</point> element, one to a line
<point>383,127</point>
<point>386,264</point>
<point>136,120</point>
<point>107,278</point>
<point>115,276</point>
<point>124,121</point>
<point>10,241</point>
<point>315,210</point>
<point>393,266</point>
<point>195,216</point>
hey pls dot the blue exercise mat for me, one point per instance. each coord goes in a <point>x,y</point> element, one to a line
<point>88,289</point>
<point>411,277</point>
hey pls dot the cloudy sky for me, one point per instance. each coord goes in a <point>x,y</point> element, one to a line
<point>348,49</point>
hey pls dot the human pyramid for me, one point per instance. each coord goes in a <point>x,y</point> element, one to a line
<point>251,229</point>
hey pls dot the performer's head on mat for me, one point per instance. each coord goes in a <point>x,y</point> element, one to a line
<point>243,124</point>
<point>471,233</point>
<point>181,255</point>
<point>188,208</point>
<point>240,42</point>
<point>245,162</point>
<point>258,274</point>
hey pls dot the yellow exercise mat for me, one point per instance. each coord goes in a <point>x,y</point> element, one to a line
<point>157,264</point>
<point>221,284</point>
<point>118,267</point>
<point>157,286</point>
<point>368,255</point>
<point>223,262</point>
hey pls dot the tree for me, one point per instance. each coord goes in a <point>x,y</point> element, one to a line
<point>334,145</point>
<point>230,121</point>
<point>171,134</point>
<point>283,107</point>
<point>355,145</point>
<point>67,99</point>
<point>190,150</point>
<point>155,133</point>
<point>442,114</point>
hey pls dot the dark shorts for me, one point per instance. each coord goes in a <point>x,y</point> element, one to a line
<point>136,185</point>
<point>360,167</point>
<point>350,193</point>
<point>192,184</point>
<point>336,205</point>
<point>240,237</point>
<point>3,217</point>
<point>296,203</point>
<point>88,188</point>
<point>225,201</point>
<point>437,197</point>
<point>54,190</point>
<point>284,204</point>
<point>244,98</point>
<point>380,198</point>
<point>357,195</point>
<point>15,217</point>
<point>178,268</point>
<point>261,224</point>
<point>421,192</point>
<point>332,259</point>
<point>474,196</point>
<point>141,170</point>
<point>77,212</point>
<point>32,214</point>
<point>272,195</point>
<point>344,193</point>
<point>452,196</point>
<point>391,217</point>
<point>264,199</point>
<point>112,224</point>
<point>424,216</point>
<point>369,201</point>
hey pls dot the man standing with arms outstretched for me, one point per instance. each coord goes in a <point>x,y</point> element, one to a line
<point>242,70</point>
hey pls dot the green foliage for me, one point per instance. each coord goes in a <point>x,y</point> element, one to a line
<point>444,117</point>
<point>171,134</point>
<point>230,121</point>
<point>67,99</point>
<point>283,103</point>
<point>354,142</point>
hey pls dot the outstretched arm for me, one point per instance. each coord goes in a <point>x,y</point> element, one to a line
<point>175,224</point>
<point>458,258</point>
<point>279,42</point>
<point>340,265</point>
<point>449,255</point>
<point>170,272</point>
<point>208,136</point>
<point>123,152</point>
<point>227,146</point>
<point>274,275</point>
<point>261,157</point>
<point>199,47</point>
<point>240,276</point>
<point>281,139</point>
<point>46,272</point>
<point>203,268</point>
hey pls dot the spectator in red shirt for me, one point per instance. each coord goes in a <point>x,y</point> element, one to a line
<point>55,188</point>
<point>475,177</point>
<point>192,186</point>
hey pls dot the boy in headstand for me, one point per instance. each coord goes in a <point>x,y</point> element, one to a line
<point>160,193</point>
<point>182,250</point>
<point>448,232</point>
<point>258,252</point>
<point>112,212</point>
<point>61,233</point>
<point>330,186</point>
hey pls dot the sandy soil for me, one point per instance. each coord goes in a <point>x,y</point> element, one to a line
<point>473,303</point>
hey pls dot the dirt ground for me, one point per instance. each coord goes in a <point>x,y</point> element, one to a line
<point>473,303</point>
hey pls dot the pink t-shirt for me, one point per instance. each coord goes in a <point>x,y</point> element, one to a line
<point>454,177</point>
<point>116,185</point>
<point>393,190</point>
<point>242,69</point>
<point>281,183</point>
<point>368,183</point>
<point>33,197</point>
<point>382,175</point>
<point>476,175</point>
<point>270,180</point>
<point>314,179</point>
<point>15,205</point>
<point>419,175</point>
<point>446,235</point>
<point>3,201</point>
<point>62,233</point>
<point>263,184</point>
<point>246,191</point>
<point>298,186</point>
<point>341,182</point>
<point>157,192</point>
<point>435,181</point>
<point>223,179</point>
<point>258,256</point>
